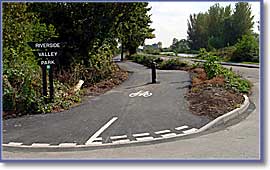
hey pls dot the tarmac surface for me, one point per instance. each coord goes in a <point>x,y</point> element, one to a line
<point>135,110</point>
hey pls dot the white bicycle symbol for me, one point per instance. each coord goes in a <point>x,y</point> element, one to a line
<point>140,93</point>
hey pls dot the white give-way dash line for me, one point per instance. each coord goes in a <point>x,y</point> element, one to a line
<point>104,127</point>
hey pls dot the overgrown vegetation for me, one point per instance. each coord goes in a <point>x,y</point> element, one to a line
<point>91,32</point>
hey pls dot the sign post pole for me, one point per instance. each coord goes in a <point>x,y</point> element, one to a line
<point>51,83</point>
<point>47,53</point>
<point>44,81</point>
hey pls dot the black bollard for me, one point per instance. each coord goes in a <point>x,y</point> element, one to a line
<point>154,76</point>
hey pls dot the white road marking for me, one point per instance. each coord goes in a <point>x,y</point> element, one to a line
<point>121,141</point>
<point>14,143</point>
<point>181,127</point>
<point>141,134</point>
<point>141,93</point>
<point>190,131</point>
<point>99,138</point>
<point>162,131</point>
<point>168,135</point>
<point>118,137</point>
<point>96,143</point>
<point>104,127</point>
<point>145,138</point>
<point>67,144</point>
<point>40,144</point>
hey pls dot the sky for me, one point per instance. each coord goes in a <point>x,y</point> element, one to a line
<point>170,18</point>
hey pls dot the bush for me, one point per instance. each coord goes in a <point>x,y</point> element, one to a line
<point>21,73</point>
<point>172,64</point>
<point>143,59</point>
<point>212,67</point>
<point>233,81</point>
<point>64,98</point>
<point>247,49</point>
<point>204,55</point>
<point>225,53</point>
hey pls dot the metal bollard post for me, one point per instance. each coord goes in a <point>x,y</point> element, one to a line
<point>154,76</point>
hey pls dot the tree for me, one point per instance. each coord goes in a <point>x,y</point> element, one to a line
<point>242,21</point>
<point>134,26</point>
<point>179,46</point>
<point>87,26</point>
<point>219,27</point>
<point>159,45</point>
<point>84,26</point>
<point>197,31</point>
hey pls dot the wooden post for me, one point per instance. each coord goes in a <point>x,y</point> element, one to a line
<point>51,83</point>
<point>44,81</point>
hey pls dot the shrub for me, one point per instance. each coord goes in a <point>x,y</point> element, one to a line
<point>21,73</point>
<point>233,81</point>
<point>172,64</point>
<point>146,60</point>
<point>247,49</point>
<point>225,53</point>
<point>212,67</point>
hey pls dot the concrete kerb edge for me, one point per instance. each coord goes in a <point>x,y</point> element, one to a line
<point>216,122</point>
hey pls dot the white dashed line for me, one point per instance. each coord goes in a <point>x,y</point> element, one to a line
<point>99,138</point>
<point>40,144</point>
<point>67,144</point>
<point>168,135</point>
<point>181,127</point>
<point>95,143</point>
<point>95,140</point>
<point>141,134</point>
<point>145,138</point>
<point>118,137</point>
<point>14,143</point>
<point>162,131</point>
<point>190,131</point>
<point>92,138</point>
<point>121,141</point>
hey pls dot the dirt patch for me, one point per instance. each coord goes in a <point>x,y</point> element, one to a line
<point>211,97</point>
<point>101,87</point>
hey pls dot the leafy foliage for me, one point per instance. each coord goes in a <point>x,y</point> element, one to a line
<point>212,67</point>
<point>172,64</point>
<point>219,27</point>
<point>21,73</point>
<point>179,46</point>
<point>146,60</point>
<point>247,49</point>
<point>233,81</point>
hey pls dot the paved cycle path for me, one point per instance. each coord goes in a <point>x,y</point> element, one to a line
<point>136,110</point>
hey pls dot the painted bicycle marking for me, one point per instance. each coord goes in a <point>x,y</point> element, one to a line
<point>140,93</point>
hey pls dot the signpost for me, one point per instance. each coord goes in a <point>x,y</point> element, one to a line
<point>47,53</point>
